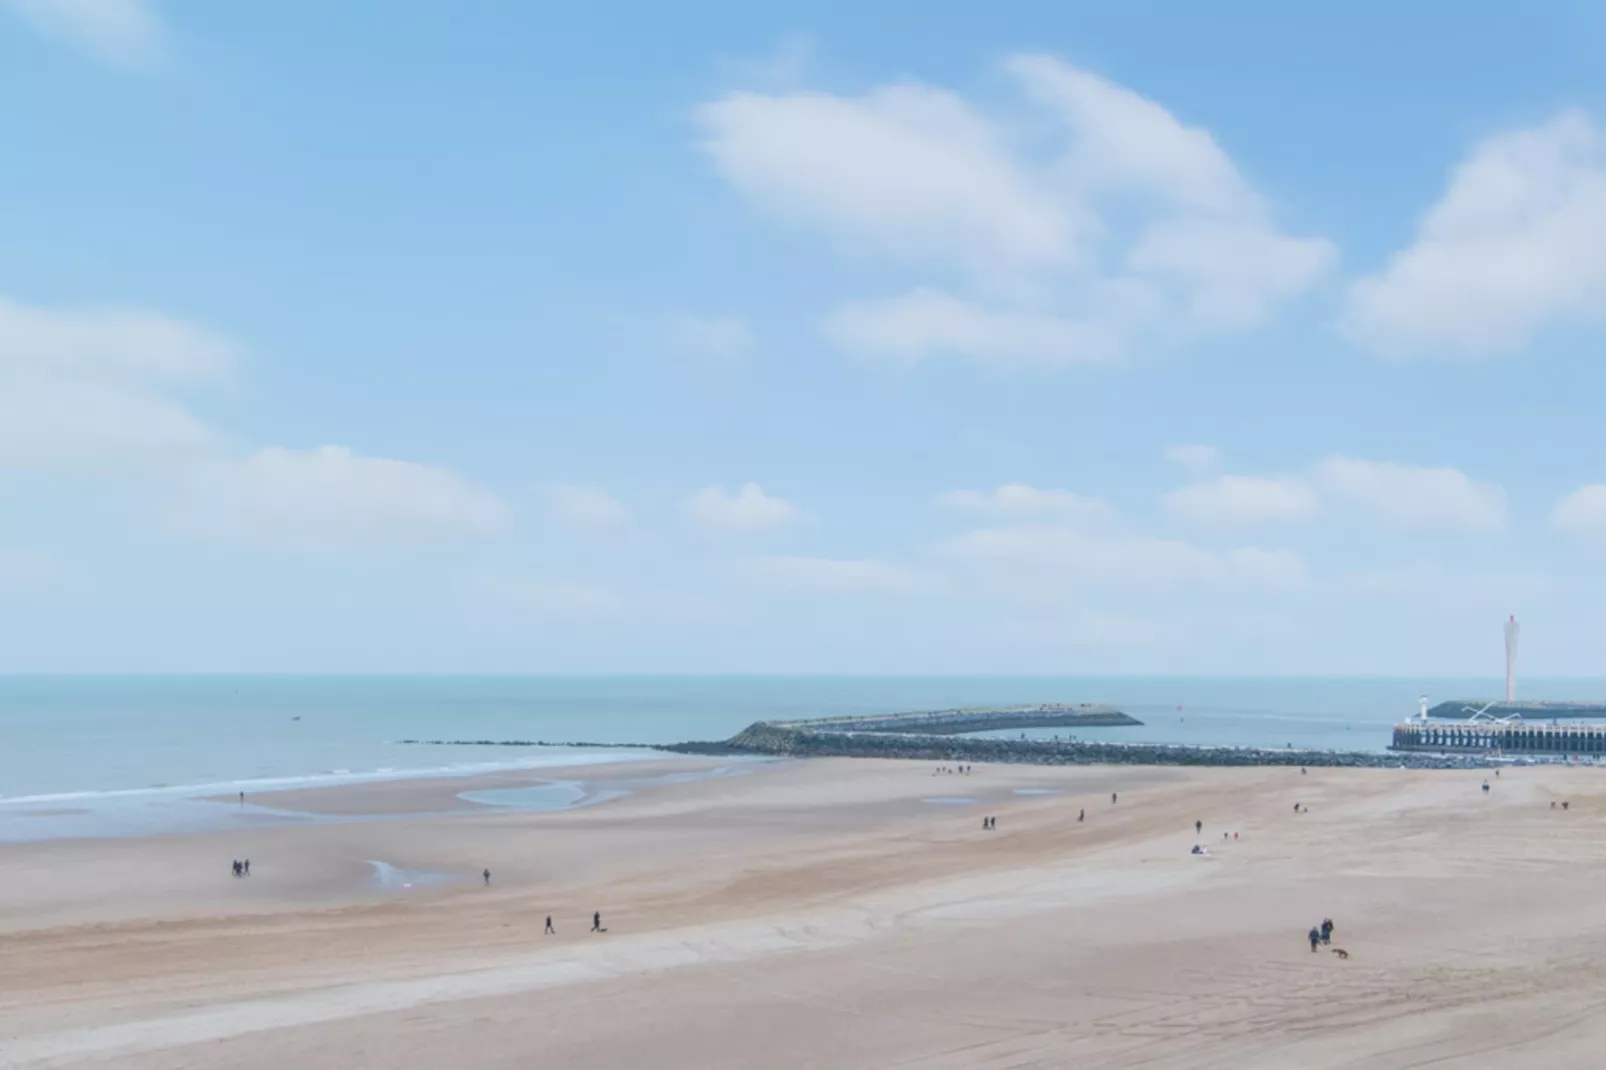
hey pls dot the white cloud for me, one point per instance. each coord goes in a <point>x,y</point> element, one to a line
<point>1019,499</point>
<point>122,342</point>
<point>96,388</point>
<point>926,323</point>
<point>1410,496</point>
<point>724,337</point>
<point>1096,232</point>
<point>1128,142</point>
<point>1036,557</point>
<point>1217,241</point>
<point>1193,459</point>
<point>748,511</point>
<point>1234,271</point>
<point>125,33</point>
<point>1401,495</point>
<point>1242,501</point>
<point>329,500</point>
<point>1517,242</point>
<point>1271,570</point>
<point>586,509</point>
<point>1583,512</point>
<point>26,570</point>
<point>831,576</point>
<point>82,424</point>
<point>907,167</point>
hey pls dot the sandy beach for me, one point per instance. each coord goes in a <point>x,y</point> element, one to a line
<point>832,913</point>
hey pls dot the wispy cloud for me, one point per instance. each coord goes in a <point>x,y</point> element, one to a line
<point>122,33</point>
<point>724,337</point>
<point>330,500</point>
<point>586,509</point>
<point>748,511</point>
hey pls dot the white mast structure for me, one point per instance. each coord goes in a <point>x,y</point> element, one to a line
<point>1512,631</point>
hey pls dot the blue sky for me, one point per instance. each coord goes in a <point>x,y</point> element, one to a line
<point>923,338</point>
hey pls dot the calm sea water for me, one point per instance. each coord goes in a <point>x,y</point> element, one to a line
<point>96,734</point>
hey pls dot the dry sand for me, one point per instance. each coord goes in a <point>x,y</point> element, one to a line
<point>821,914</point>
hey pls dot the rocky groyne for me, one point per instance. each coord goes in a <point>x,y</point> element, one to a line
<point>782,739</point>
<point>940,736</point>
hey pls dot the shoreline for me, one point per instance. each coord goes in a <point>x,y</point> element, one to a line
<point>226,789</point>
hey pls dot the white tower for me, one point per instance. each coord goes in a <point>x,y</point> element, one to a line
<point>1512,629</point>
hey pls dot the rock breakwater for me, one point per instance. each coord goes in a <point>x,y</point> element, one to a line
<point>794,740</point>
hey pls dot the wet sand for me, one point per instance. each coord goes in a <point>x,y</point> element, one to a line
<point>822,914</point>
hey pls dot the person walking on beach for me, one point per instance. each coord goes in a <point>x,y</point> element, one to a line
<point>1198,827</point>
<point>1315,939</point>
<point>487,876</point>
<point>1112,798</point>
<point>550,931</point>
<point>1327,930</point>
<point>1081,815</point>
<point>242,798</point>
<point>245,867</point>
<point>596,921</point>
<point>237,861</point>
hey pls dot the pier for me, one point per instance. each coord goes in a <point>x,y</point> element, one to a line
<point>1486,737</point>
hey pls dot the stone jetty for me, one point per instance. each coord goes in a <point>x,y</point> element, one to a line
<point>943,736</point>
<point>800,740</point>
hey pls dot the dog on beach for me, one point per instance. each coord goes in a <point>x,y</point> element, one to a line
<point>1341,953</point>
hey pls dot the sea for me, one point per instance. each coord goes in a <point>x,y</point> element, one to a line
<point>116,745</point>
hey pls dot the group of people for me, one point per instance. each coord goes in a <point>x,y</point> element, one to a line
<point>1321,934</point>
<point>242,867</point>
<point>960,770</point>
<point>596,924</point>
<point>989,823</point>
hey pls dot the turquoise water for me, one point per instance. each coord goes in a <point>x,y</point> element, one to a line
<point>68,735</point>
